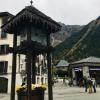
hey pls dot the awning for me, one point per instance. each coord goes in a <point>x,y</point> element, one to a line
<point>94,69</point>
<point>78,69</point>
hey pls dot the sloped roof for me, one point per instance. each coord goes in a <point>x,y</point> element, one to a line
<point>89,60</point>
<point>62,63</point>
<point>5,14</point>
<point>32,16</point>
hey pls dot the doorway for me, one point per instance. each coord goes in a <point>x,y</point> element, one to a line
<point>3,85</point>
<point>79,77</point>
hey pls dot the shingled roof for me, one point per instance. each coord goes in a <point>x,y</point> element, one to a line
<point>62,63</point>
<point>31,15</point>
<point>5,14</point>
<point>88,60</point>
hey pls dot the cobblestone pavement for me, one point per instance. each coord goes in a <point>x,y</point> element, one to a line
<point>65,93</point>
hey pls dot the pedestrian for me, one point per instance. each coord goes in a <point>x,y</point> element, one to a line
<point>85,83</point>
<point>94,84</point>
<point>90,85</point>
<point>66,82</point>
<point>74,81</point>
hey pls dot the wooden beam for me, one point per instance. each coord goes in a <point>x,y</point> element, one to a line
<point>13,79</point>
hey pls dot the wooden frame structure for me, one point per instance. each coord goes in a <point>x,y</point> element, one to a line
<point>28,18</point>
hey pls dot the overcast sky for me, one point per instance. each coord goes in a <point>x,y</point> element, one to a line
<point>70,12</point>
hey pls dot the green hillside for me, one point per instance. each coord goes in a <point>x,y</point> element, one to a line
<point>82,44</point>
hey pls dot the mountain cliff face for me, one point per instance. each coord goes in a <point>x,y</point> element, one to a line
<point>66,32</point>
<point>82,44</point>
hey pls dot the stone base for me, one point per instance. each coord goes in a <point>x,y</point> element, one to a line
<point>35,95</point>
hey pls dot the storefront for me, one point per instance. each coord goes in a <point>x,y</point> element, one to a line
<point>88,67</point>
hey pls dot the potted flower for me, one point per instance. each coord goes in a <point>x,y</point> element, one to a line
<point>37,92</point>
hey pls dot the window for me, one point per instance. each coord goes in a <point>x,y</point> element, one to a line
<point>5,19</point>
<point>4,49</point>
<point>3,67</point>
<point>3,35</point>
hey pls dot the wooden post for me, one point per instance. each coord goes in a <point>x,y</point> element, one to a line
<point>13,79</point>
<point>28,70</point>
<point>29,63</point>
<point>33,69</point>
<point>50,95</point>
<point>19,62</point>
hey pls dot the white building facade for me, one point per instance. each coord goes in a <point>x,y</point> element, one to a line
<point>6,41</point>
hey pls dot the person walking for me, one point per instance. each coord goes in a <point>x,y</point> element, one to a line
<point>94,84</point>
<point>85,83</point>
<point>90,85</point>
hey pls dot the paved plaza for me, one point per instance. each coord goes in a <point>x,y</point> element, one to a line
<point>66,93</point>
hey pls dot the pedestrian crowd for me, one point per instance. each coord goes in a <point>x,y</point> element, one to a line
<point>90,84</point>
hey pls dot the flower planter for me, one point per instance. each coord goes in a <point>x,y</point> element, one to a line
<point>37,92</point>
<point>35,95</point>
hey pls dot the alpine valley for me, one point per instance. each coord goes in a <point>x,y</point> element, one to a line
<point>82,42</point>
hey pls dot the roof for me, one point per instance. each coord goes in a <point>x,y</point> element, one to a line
<point>62,63</point>
<point>88,60</point>
<point>31,15</point>
<point>2,14</point>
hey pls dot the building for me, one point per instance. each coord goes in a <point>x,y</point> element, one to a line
<point>88,67</point>
<point>41,67</point>
<point>62,65</point>
<point>6,41</point>
<point>62,68</point>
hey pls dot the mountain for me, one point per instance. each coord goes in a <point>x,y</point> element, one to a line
<point>66,32</point>
<point>83,44</point>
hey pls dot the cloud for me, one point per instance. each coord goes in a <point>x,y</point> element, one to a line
<point>66,11</point>
<point>71,11</point>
